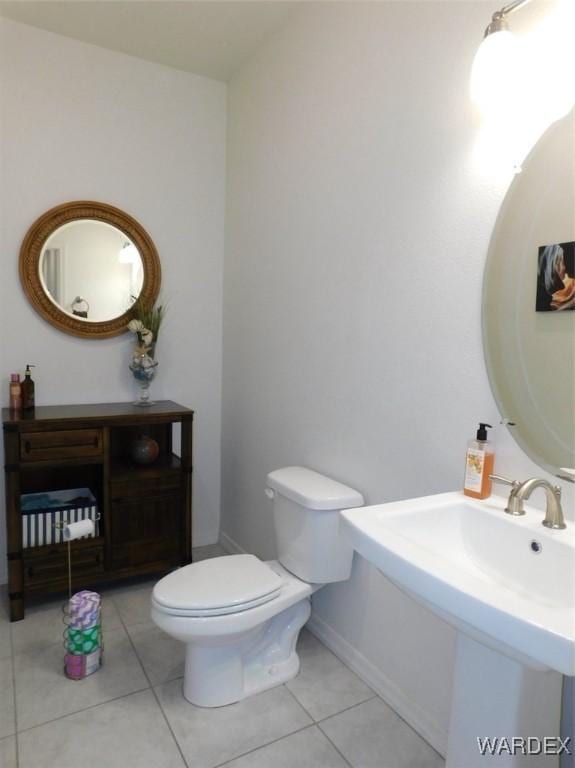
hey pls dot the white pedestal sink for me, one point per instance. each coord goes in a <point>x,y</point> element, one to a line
<point>507,584</point>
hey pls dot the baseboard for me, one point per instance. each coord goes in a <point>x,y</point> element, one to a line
<point>382,685</point>
<point>231,546</point>
<point>204,538</point>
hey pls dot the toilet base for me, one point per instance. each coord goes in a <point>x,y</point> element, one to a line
<point>216,675</point>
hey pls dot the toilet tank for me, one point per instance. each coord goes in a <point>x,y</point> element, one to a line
<point>306,516</point>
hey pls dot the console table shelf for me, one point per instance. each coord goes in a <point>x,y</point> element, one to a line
<point>145,511</point>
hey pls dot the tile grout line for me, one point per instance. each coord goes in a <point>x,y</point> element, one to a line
<point>92,706</point>
<point>337,749</point>
<point>298,702</point>
<point>411,728</point>
<point>375,696</point>
<point>126,627</point>
<point>314,722</point>
<point>151,688</point>
<point>336,714</point>
<point>83,709</point>
<point>13,666</point>
<point>371,698</point>
<point>19,731</point>
<point>177,743</point>
<point>317,723</point>
<point>236,757</point>
<point>346,709</point>
<point>267,744</point>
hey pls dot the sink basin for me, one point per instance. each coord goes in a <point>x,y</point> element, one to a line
<point>506,578</point>
<point>507,584</point>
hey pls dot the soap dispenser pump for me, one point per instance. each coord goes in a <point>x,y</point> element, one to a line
<point>479,465</point>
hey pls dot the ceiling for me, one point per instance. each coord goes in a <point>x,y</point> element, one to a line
<point>206,37</point>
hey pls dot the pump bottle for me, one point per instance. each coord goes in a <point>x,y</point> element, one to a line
<point>479,465</point>
<point>28,390</point>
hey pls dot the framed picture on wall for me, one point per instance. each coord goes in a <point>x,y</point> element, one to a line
<point>556,277</point>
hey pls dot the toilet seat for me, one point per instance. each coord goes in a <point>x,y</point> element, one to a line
<point>217,587</point>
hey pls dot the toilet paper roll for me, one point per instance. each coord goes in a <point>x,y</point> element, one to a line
<point>83,641</point>
<point>77,530</point>
<point>83,610</point>
<point>80,666</point>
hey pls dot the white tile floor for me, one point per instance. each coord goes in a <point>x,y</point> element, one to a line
<point>131,713</point>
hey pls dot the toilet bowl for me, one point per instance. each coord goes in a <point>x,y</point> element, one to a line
<point>240,617</point>
<point>237,650</point>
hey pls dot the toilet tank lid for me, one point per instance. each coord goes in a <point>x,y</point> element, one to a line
<point>312,490</point>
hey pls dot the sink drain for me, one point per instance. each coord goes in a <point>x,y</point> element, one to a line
<point>536,547</point>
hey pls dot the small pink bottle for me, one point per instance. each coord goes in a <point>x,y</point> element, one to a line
<point>15,393</point>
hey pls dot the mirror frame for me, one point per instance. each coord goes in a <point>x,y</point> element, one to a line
<point>31,252</point>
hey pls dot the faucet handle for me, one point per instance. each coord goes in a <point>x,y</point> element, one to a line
<point>504,480</point>
<point>514,504</point>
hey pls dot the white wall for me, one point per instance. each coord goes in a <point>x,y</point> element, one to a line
<point>357,227</point>
<point>80,122</point>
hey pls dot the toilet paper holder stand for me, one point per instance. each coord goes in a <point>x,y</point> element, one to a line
<point>77,666</point>
<point>69,540</point>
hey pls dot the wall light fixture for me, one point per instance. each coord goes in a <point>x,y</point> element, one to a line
<point>498,63</point>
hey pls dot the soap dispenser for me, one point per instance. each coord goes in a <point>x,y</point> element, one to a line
<point>479,465</point>
<point>28,390</point>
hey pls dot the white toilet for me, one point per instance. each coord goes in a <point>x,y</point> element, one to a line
<point>240,617</point>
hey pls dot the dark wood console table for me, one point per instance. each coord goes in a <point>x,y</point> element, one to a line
<point>146,511</point>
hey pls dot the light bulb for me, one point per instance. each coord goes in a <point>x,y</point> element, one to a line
<point>551,65</point>
<point>495,75</point>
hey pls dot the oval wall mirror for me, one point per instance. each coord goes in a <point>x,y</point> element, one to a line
<point>83,264</point>
<point>529,303</point>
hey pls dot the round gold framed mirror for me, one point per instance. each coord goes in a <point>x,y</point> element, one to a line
<point>84,263</point>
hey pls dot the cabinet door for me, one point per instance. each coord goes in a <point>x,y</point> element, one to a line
<point>146,529</point>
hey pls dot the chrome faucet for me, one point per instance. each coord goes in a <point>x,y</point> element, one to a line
<point>554,512</point>
<point>520,492</point>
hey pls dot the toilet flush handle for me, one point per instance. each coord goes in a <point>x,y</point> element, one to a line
<point>270,494</point>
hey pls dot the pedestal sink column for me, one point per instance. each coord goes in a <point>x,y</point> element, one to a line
<point>495,697</point>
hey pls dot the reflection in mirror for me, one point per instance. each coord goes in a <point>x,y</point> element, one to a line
<point>91,270</point>
<point>530,353</point>
<point>83,263</point>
